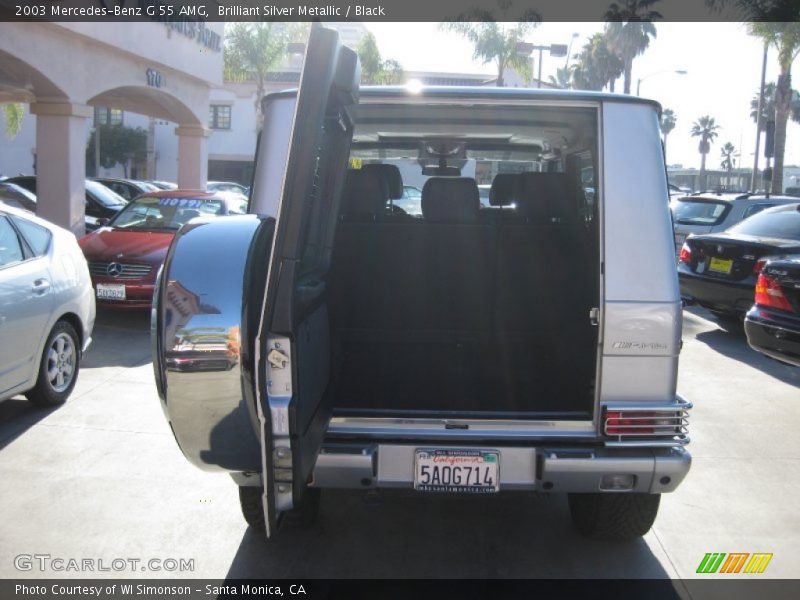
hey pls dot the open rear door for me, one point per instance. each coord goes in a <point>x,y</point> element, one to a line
<point>292,346</point>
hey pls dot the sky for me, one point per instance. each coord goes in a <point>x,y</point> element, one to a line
<point>722,61</point>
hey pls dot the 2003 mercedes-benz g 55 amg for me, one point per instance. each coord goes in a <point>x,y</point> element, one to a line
<point>336,339</point>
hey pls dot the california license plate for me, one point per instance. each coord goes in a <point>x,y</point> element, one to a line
<point>457,471</point>
<point>110,291</point>
<point>720,265</point>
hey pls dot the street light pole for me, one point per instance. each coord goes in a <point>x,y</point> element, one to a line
<point>754,179</point>
<point>526,49</point>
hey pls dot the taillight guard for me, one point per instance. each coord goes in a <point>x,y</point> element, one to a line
<point>643,424</point>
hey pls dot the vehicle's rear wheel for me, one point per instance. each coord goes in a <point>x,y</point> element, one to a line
<point>613,516</point>
<point>302,515</point>
<point>58,369</point>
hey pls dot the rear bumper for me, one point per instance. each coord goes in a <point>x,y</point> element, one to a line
<point>726,296</point>
<point>549,469</point>
<point>774,334</point>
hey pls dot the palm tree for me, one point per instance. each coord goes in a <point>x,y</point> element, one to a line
<point>667,124</point>
<point>252,50</point>
<point>14,113</point>
<point>562,78</point>
<point>373,68</point>
<point>495,41</point>
<point>707,130</point>
<point>768,106</point>
<point>785,38</point>
<point>629,28</point>
<point>728,162</point>
<point>596,66</point>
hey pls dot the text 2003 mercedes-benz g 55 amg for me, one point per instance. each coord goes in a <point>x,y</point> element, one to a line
<point>348,336</point>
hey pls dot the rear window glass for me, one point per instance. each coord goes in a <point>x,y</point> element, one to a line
<point>699,212</point>
<point>783,224</point>
<point>38,237</point>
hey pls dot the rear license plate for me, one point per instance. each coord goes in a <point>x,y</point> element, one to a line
<point>457,471</point>
<point>720,265</point>
<point>110,291</point>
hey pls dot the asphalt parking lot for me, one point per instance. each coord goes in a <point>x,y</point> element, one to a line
<point>102,477</point>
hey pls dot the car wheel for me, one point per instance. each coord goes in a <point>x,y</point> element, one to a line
<point>613,516</point>
<point>58,370</point>
<point>303,515</point>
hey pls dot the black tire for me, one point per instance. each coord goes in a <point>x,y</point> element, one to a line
<point>303,515</point>
<point>613,516</point>
<point>252,510</point>
<point>50,390</point>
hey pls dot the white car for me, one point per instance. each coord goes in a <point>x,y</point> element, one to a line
<point>47,308</point>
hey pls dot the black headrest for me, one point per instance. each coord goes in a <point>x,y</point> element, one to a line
<point>450,199</point>
<point>365,194</point>
<point>504,190</point>
<point>391,173</point>
<point>544,196</point>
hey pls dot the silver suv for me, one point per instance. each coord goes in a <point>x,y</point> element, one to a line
<point>331,340</point>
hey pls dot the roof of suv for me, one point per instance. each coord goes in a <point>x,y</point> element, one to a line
<point>500,94</point>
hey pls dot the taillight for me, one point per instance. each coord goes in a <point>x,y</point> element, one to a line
<point>759,265</point>
<point>686,254</point>
<point>769,293</point>
<point>633,423</point>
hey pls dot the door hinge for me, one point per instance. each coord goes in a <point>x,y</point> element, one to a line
<point>594,316</point>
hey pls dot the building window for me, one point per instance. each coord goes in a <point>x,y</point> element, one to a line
<point>219,116</point>
<point>107,116</point>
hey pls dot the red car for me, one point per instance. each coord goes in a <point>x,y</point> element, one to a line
<point>125,254</point>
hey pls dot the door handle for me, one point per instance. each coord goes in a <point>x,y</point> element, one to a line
<point>40,286</point>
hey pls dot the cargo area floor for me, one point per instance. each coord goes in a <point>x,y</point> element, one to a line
<point>462,378</point>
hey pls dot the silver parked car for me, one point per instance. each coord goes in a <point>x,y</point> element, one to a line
<point>47,308</point>
<point>328,341</point>
<point>710,212</point>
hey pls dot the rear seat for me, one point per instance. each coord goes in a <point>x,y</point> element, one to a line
<point>502,198</point>
<point>453,275</point>
<point>541,266</point>
<point>458,259</point>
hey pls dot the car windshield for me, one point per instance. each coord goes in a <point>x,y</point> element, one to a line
<point>150,212</point>
<point>782,224</point>
<point>690,211</point>
<point>105,196</point>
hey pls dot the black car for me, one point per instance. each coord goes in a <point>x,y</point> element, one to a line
<point>719,270</point>
<point>773,324</point>
<point>17,196</point>
<point>127,188</point>
<point>101,202</point>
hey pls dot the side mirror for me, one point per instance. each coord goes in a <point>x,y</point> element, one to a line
<point>102,221</point>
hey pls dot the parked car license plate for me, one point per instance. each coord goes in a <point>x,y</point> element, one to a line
<point>456,471</point>
<point>720,265</point>
<point>110,291</point>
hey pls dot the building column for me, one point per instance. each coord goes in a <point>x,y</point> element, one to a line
<point>192,156</point>
<point>61,162</point>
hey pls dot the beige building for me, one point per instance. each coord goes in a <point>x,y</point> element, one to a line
<point>64,70</point>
